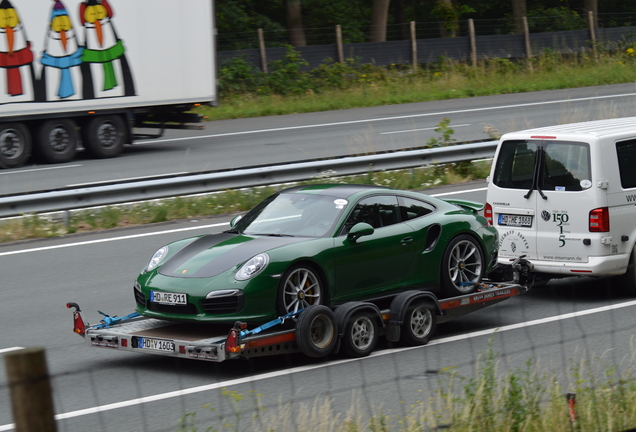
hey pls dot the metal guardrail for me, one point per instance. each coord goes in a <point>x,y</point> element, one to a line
<point>249,177</point>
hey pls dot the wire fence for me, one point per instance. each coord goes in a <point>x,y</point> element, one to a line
<point>496,38</point>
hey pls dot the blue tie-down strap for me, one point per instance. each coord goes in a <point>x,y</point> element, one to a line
<point>270,324</point>
<point>109,321</point>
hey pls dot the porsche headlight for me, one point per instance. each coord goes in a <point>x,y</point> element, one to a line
<point>156,259</point>
<point>252,267</point>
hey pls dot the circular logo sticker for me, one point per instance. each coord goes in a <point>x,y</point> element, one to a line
<point>586,184</point>
<point>340,203</point>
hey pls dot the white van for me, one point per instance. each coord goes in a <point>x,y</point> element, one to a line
<point>565,196</point>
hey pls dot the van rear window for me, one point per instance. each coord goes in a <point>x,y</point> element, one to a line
<point>626,151</point>
<point>515,164</point>
<point>564,164</point>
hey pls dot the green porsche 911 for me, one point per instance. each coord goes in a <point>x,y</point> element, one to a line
<point>320,244</point>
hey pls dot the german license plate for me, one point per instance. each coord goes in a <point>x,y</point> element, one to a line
<point>168,298</point>
<point>155,344</point>
<point>515,220</point>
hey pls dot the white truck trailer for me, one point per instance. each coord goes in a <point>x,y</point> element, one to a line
<point>85,73</point>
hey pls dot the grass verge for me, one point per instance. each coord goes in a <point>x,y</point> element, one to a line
<point>528,399</point>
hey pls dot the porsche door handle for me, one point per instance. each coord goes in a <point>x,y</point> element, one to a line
<point>406,241</point>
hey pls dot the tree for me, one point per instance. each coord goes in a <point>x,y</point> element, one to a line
<point>295,23</point>
<point>379,17</point>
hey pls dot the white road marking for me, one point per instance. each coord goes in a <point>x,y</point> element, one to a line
<point>106,240</point>
<point>127,179</point>
<point>176,230</point>
<point>422,129</point>
<point>302,369</point>
<point>40,169</point>
<point>6,350</point>
<point>440,113</point>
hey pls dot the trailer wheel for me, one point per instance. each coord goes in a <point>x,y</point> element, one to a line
<point>103,136</point>
<point>316,331</point>
<point>360,336</point>
<point>462,262</point>
<point>300,287</point>
<point>56,140</point>
<point>419,323</point>
<point>15,145</point>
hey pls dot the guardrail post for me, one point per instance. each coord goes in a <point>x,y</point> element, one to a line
<point>30,389</point>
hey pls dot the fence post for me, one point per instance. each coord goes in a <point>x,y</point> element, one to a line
<point>30,389</point>
<point>526,38</point>
<point>473,42</point>
<point>261,47</point>
<point>590,19</point>
<point>413,46</point>
<point>339,43</point>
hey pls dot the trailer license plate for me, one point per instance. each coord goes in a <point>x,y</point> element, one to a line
<point>515,220</point>
<point>155,344</point>
<point>168,298</point>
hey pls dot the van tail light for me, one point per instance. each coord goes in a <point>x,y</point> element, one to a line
<point>488,214</point>
<point>599,220</point>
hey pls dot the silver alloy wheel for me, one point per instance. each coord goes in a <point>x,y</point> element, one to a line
<point>322,331</point>
<point>362,333</point>
<point>464,265</point>
<point>421,321</point>
<point>301,289</point>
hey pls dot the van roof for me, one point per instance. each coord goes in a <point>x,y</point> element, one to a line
<point>597,128</point>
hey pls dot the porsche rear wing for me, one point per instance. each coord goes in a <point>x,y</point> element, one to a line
<point>216,343</point>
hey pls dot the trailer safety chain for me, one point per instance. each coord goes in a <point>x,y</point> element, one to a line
<point>279,320</point>
<point>109,321</point>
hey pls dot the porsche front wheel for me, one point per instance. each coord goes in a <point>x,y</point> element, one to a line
<point>462,266</point>
<point>300,288</point>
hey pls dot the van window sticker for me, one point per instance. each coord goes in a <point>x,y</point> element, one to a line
<point>586,184</point>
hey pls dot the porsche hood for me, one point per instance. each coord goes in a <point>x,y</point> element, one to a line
<point>213,254</point>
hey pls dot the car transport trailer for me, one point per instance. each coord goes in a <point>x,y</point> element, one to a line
<point>352,328</point>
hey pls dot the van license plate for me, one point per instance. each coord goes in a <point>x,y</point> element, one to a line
<point>515,220</point>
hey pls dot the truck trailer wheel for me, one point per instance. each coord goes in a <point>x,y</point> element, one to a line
<point>56,140</point>
<point>15,145</point>
<point>103,136</point>
<point>419,323</point>
<point>316,331</point>
<point>360,336</point>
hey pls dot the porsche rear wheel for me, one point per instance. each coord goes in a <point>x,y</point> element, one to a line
<point>300,288</point>
<point>462,266</point>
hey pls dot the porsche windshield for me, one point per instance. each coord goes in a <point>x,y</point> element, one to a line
<point>302,215</point>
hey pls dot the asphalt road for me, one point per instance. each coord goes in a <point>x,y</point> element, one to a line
<point>101,390</point>
<point>290,138</point>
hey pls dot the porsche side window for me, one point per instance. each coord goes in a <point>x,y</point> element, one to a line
<point>411,208</point>
<point>626,151</point>
<point>377,211</point>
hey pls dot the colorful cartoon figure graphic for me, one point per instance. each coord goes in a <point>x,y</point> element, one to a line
<point>103,46</point>
<point>61,52</point>
<point>15,51</point>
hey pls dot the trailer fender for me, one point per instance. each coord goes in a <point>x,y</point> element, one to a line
<point>399,307</point>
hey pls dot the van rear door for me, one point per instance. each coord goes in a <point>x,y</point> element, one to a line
<point>539,191</point>
<point>566,196</point>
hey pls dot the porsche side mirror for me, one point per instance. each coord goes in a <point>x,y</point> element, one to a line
<point>235,220</point>
<point>358,230</point>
